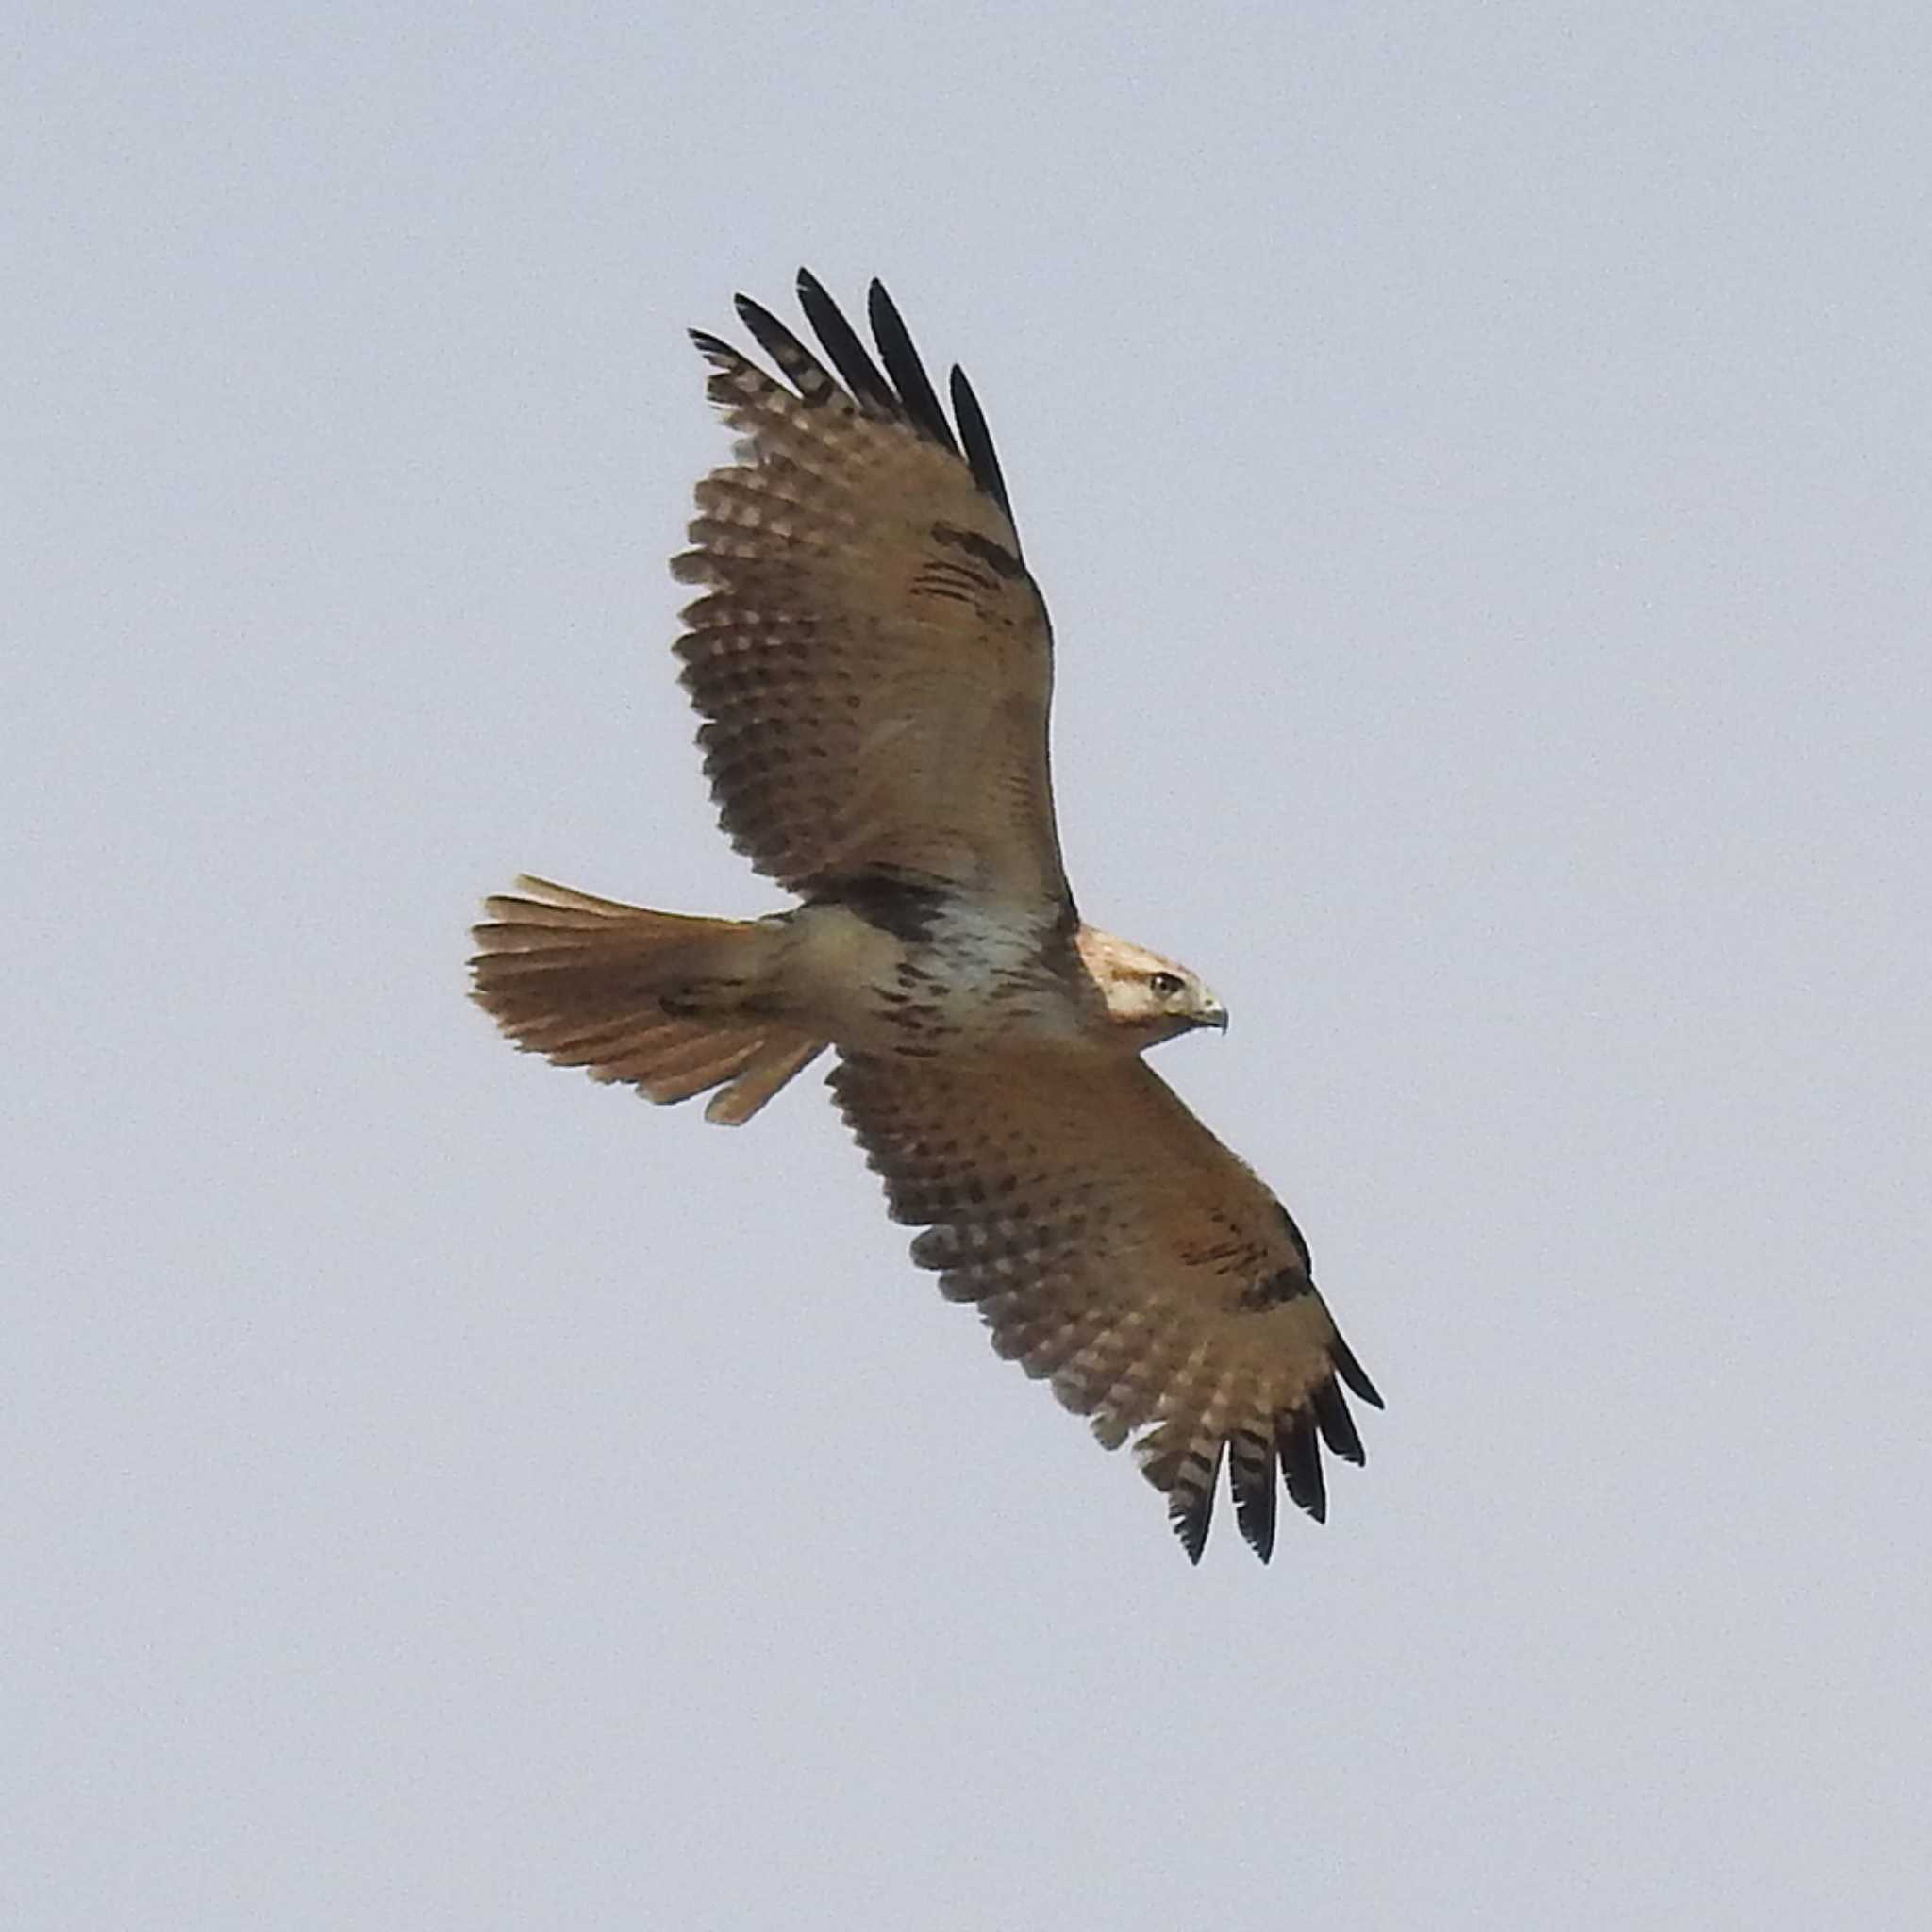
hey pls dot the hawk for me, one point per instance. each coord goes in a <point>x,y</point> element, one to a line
<point>873,664</point>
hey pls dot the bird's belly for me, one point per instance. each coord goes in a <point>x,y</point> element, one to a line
<point>969,984</point>
<point>935,1004</point>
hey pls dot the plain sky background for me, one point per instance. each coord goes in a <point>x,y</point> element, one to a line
<point>1478,458</point>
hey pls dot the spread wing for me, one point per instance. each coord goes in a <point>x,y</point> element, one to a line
<point>1114,1245</point>
<point>873,663</point>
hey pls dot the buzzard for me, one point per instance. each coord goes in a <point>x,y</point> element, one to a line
<point>873,663</point>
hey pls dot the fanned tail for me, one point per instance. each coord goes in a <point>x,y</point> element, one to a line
<point>660,999</point>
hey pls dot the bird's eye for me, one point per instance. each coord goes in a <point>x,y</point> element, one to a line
<point>1166,985</point>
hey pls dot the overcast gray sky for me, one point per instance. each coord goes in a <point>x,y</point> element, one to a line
<point>1478,458</point>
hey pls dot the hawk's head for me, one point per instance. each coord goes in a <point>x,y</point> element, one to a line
<point>1148,998</point>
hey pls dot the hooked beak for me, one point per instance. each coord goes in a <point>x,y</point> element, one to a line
<point>1213,1014</point>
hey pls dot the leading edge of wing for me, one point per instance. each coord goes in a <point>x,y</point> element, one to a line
<point>898,391</point>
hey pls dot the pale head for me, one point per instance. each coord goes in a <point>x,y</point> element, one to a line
<point>1149,998</point>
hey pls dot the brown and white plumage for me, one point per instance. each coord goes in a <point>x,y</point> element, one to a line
<point>1115,1247</point>
<point>872,661</point>
<point>873,665</point>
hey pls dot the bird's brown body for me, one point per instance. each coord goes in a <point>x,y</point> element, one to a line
<point>873,663</point>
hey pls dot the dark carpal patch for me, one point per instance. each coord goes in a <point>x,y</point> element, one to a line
<point>1284,1284</point>
<point>996,557</point>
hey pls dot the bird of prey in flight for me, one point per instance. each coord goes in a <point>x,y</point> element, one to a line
<point>873,663</point>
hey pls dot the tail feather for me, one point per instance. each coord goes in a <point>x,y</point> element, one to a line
<point>657,1000</point>
<point>764,1073</point>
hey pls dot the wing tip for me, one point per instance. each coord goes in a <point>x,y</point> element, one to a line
<point>1189,1516</point>
<point>749,312</point>
<point>1352,1373</point>
<point>1336,1424</point>
<point>1251,1482</point>
<point>982,458</point>
<point>1300,1454</point>
<point>899,392</point>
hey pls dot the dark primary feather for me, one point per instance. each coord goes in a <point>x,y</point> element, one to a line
<point>796,363</point>
<point>1251,1476</point>
<point>1191,1503</point>
<point>850,357</point>
<point>1301,1464</point>
<point>1333,1419</point>
<point>981,454</point>
<point>1351,1372</point>
<point>903,366</point>
<point>901,393</point>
